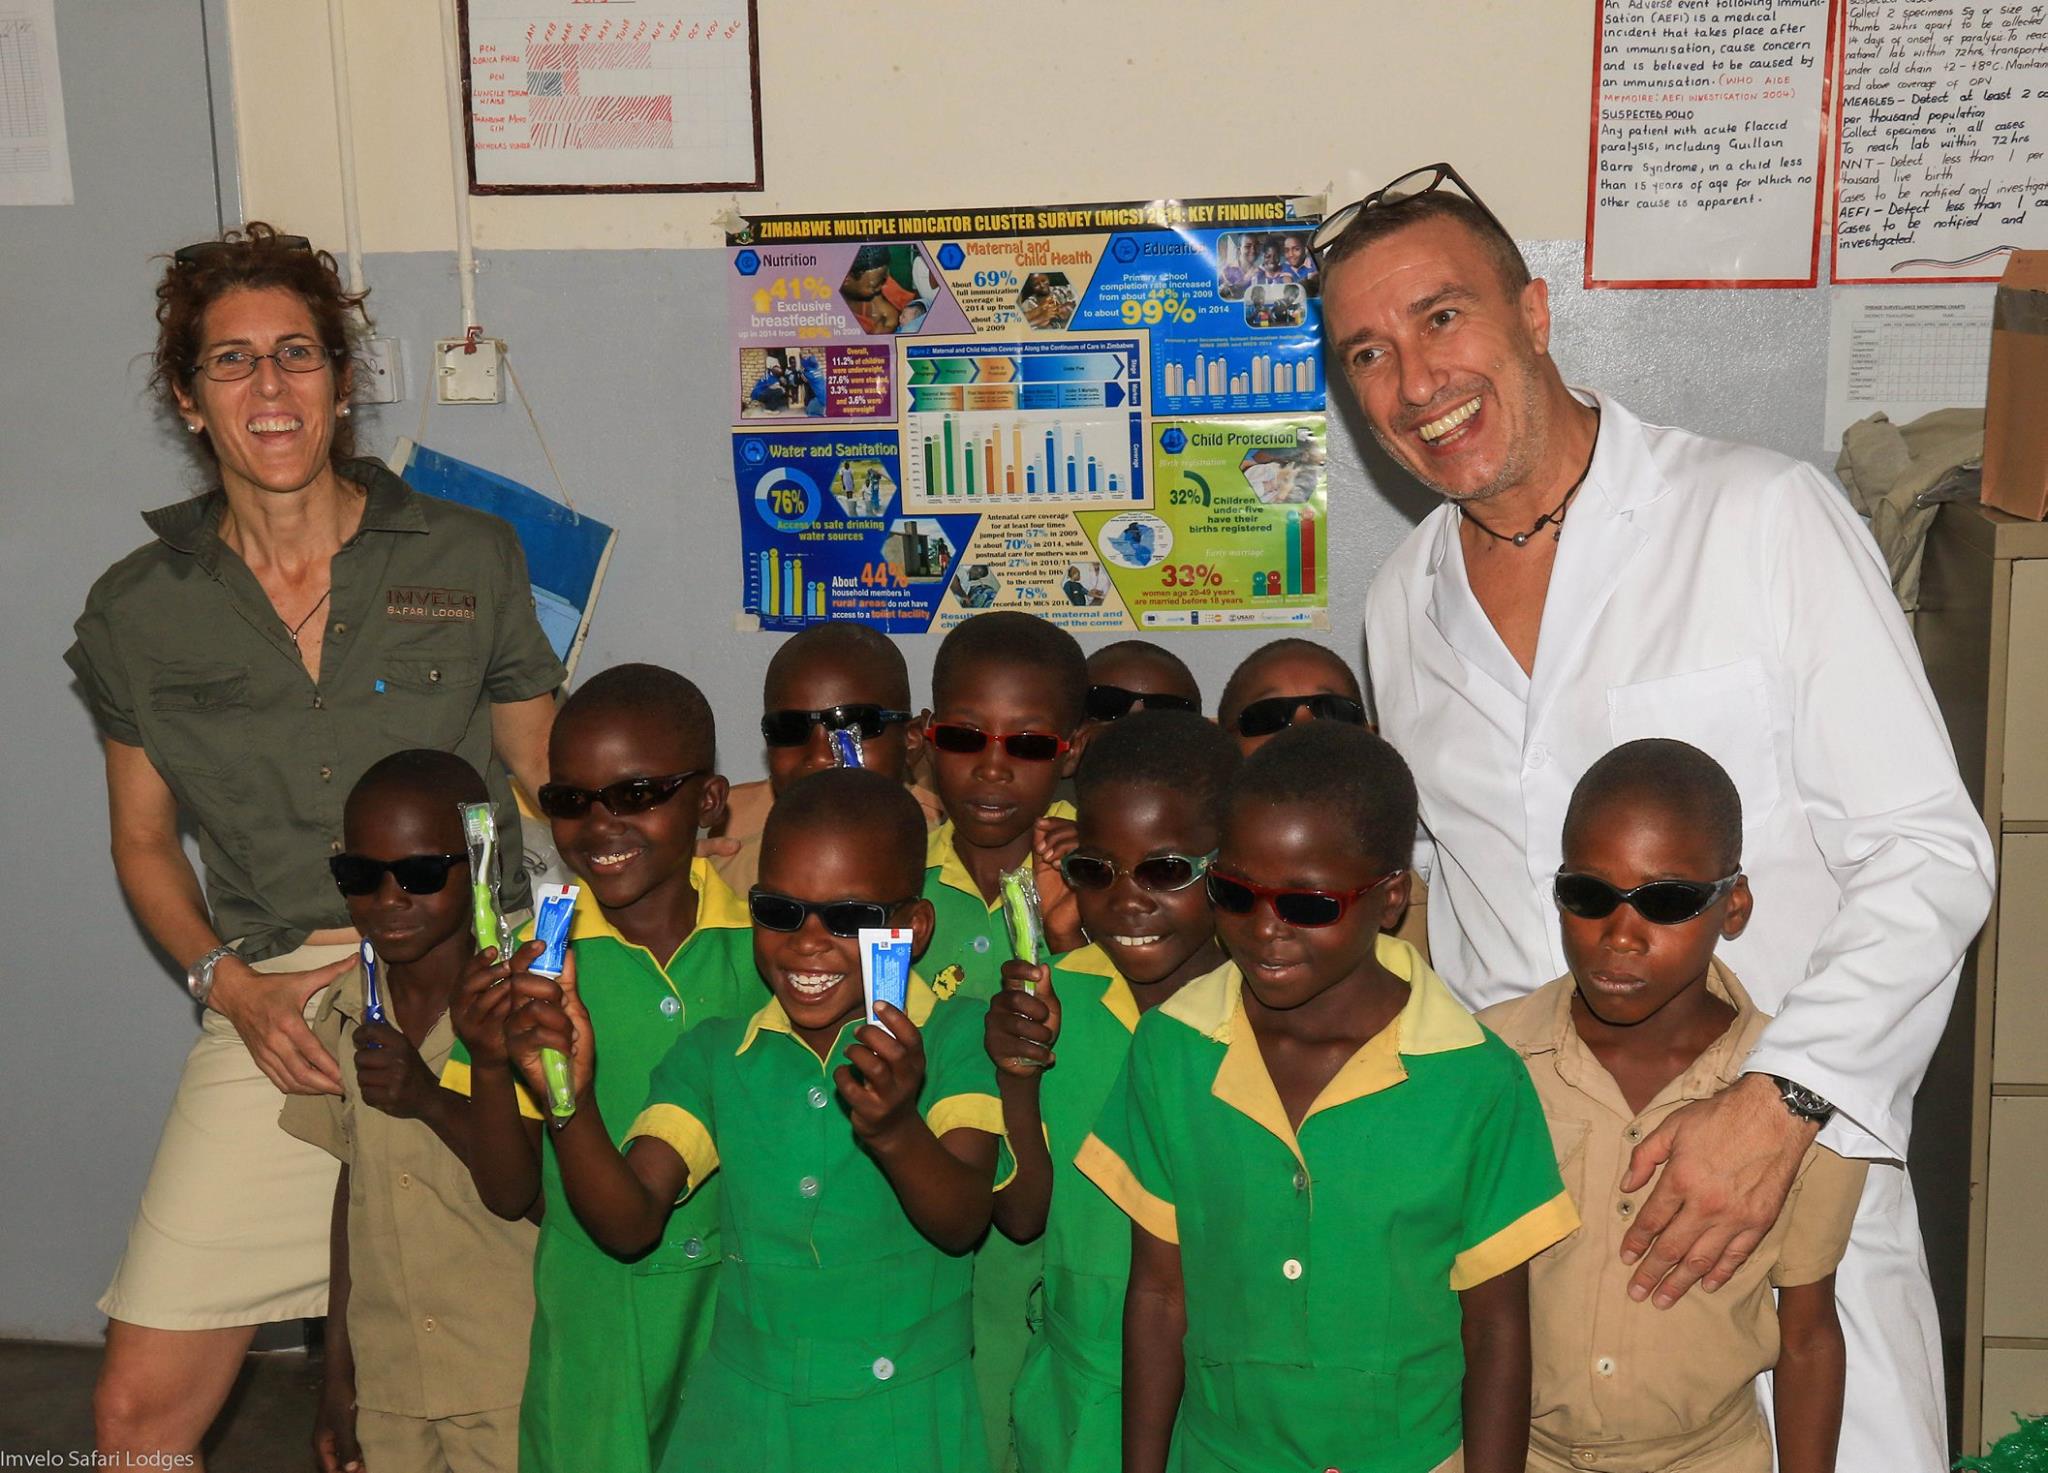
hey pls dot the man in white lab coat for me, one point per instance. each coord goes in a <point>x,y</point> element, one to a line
<point>1590,579</point>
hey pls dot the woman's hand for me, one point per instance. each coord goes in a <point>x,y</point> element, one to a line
<point>269,1010</point>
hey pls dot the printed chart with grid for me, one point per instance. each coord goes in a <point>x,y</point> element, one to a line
<point>1894,363</point>
<point>24,108</point>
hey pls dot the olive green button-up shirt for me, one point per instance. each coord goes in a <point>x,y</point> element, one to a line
<point>179,651</point>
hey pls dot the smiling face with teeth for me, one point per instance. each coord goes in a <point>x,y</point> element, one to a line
<point>1156,939</point>
<point>273,431</point>
<point>814,974</point>
<point>637,865</point>
<point>1452,368</point>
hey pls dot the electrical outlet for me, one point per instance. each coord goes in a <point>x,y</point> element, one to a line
<point>462,376</point>
<point>380,374</point>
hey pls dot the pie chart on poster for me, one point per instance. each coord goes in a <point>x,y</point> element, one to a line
<point>786,499</point>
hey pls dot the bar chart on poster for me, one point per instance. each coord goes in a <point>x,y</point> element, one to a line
<point>1707,143</point>
<point>565,97</point>
<point>1943,164</point>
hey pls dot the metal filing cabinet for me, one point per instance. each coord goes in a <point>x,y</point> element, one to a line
<point>1981,1167</point>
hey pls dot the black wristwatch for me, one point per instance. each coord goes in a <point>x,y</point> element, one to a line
<point>1802,1101</point>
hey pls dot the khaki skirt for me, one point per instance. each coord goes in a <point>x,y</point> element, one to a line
<point>233,1224</point>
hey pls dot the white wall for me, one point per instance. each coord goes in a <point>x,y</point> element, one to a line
<point>903,103</point>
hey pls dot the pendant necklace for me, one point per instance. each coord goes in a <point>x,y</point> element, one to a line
<point>1554,518</point>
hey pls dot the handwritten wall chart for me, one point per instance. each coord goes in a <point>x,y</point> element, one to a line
<point>1943,161</point>
<point>1110,415</point>
<point>1708,142</point>
<point>568,97</point>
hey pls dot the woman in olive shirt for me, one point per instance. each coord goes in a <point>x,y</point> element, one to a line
<point>280,634</point>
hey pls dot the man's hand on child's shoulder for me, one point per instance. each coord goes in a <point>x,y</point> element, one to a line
<point>1023,1022</point>
<point>883,1076</point>
<point>390,1074</point>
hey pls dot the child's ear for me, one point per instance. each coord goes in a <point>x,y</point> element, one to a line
<point>922,920</point>
<point>711,802</point>
<point>913,740</point>
<point>1741,905</point>
<point>1394,900</point>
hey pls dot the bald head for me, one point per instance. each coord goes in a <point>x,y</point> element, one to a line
<point>873,811</point>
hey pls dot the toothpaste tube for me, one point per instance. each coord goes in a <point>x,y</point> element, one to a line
<point>885,969</point>
<point>373,995</point>
<point>846,748</point>
<point>553,913</point>
<point>1021,916</point>
<point>480,834</point>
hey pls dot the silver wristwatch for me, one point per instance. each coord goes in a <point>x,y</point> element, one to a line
<point>199,976</point>
<point>1802,1101</point>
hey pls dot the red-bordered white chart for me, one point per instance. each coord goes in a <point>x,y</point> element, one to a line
<point>1709,140</point>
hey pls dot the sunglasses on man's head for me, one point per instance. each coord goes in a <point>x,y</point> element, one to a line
<point>845,919</point>
<point>1277,713</point>
<point>1660,902</point>
<point>1113,702</point>
<point>1026,746</point>
<point>417,874</point>
<point>1426,180</point>
<point>202,251</point>
<point>633,795</point>
<point>1307,909</point>
<point>793,728</point>
<point>1160,873</point>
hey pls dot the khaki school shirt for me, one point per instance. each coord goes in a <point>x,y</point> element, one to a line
<point>440,1287</point>
<point>1610,1374</point>
<point>430,623</point>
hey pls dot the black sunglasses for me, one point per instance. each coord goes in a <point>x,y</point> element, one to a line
<point>633,795</point>
<point>793,728</point>
<point>202,251</point>
<point>843,918</point>
<point>1415,182</point>
<point>1025,746</point>
<point>1113,702</point>
<point>1159,873</point>
<point>1660,902</point>
<point>1309,909</point>
<point>1276,713</point>
<point>417,874</point>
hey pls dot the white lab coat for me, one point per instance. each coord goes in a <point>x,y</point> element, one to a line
<point>1727,596</point>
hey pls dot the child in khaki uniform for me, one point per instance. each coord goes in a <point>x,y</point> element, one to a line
<point>431,1292</point>
<point>1647,1022</point>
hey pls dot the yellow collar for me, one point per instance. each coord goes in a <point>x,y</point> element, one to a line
<point>940,854</point>
<point>718,909</point>
<point>1431,1022</point>
<point>1117,997</point>
<point>774,1019</point>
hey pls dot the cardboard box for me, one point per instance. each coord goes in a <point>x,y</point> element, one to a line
<point>2016,401</point>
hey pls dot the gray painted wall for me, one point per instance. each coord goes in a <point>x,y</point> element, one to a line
<point>622,353</point>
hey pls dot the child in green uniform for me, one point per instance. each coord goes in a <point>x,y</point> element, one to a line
<point>1151,789</point>
<point>1647,1021</point>
<point>1335,1175</point>
<point>662,945</point>
<point>844,1329</point>
<point>430,1295</point>
<point>1007,694</point>
<point>1285,681</point>
<point>825,684</point>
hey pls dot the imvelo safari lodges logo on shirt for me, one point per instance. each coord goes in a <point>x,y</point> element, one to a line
<point>429,605</point>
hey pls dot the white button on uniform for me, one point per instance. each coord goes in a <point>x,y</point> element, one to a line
<point>670,1006</point>
<point>1300,1180</point>
<point>808,1186</point>
<point>883,1368</point>
<point>981,943</point>
<point>817,1097</point>
<point>1291,1268</point>
<point>693,1248</point>
<point>427,1323</point>
<point>1604,1365</point>
<point>1538,755</point>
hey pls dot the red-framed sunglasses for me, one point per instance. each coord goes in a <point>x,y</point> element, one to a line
<point>1307,909</point>
<point>964,741</point>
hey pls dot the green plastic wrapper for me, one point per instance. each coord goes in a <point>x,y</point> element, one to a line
<point>1021,916</point>
<point>2022,1450</point>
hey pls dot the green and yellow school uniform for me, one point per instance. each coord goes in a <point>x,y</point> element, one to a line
<point>965,959</point>
<point>843,1336</point>
<point>1322,1266</point>
<point>612,1341</point>
<point>1067,1411</point>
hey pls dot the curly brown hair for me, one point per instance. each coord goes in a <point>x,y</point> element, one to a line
<point>253,258</point>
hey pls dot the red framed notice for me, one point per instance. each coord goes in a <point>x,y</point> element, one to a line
<point>610,96</point>
<point>1708,143</point>
<point>1941,156</point>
